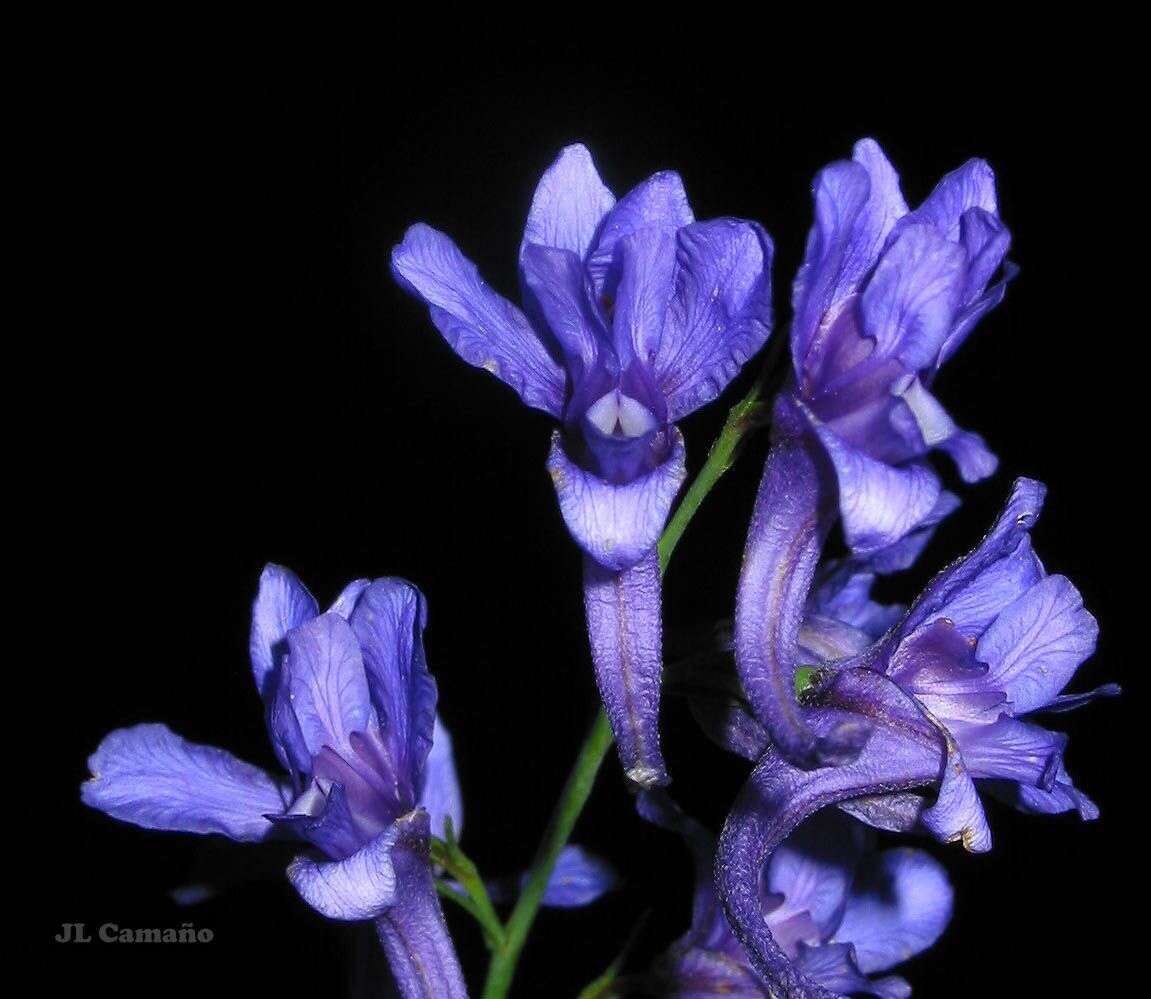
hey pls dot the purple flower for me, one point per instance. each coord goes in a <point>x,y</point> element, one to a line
<point>633,316</point>
<point>351,711</point>
<point>840,911</point>
<point>944,700</point>
<point>884,297</point>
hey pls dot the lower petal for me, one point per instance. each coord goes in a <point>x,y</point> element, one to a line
<point>616,525</point>
<point>149,776</point>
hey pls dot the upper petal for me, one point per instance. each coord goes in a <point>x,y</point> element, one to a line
<point>970,186</point>
<point>149,776</point>
<point>899,905</point>
<point>1037,642</point>
<point>326,685</point>
<point>282,603</point>
<point>720,312</point>
<point>484,328</point>
<point>660,202</point>
<point>442,797</point>
<point>910,302</point>
<point>569,203</point>
<point>616,525</point>
<point>388,623</point>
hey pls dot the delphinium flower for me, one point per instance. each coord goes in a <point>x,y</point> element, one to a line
<point>633,316</point>
<point>884,297</point>
<point>944,699</point>
<point>351,711</point>
<point>840,910</point>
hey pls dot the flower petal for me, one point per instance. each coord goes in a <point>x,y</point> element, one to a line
<point>927,425</point>
<point>149,776</point>
<point>358,887</point>
<point>973,589</point>
<point>442,797</point>
<point>578,879</point>
<point>880,503</point>
<point>483,328</point>
<point>834,967</point>
<point>345,603</point>
<point>814,867</point>
<point>910,302</point>
<point>388,623</point>
<point>841,191</point>
<point>616,525</point>
<point>569,203</point>
<point>970,186</point>
<point>333,829</point>
<point>282,603</point>
<point>1037,643</point>
<point>899,906</point>
<point>659,202</point>
<point>556,280</point>
<point>720,313</point>
<point>623,618</point>
<point>326,685</point>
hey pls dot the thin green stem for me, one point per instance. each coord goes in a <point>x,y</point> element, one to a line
<point>744,415</point>
<point>486,916</point>
<point>474,898</point>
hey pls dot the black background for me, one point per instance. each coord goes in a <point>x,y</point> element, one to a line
<point>246,384</point>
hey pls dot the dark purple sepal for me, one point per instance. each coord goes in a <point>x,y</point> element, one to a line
<point>623,617</point>
<point>789,524</point>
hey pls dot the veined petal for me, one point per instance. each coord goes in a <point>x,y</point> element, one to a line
<point>556,279</point>
<point>616,525</point>
<point>971,590</point>
<point>1037,643</point>
<point>911,300</point>
<point>930,426</point>
<point>569,203</point>
<point>841,190</point>
<point>358,887</point>
<point>346,601</point>
<point>483,328</point>
<point>899,906</point>
<point>647,267</point>
<point>880,503</point>
<point>578,879</point>
<point>388,623</point>
<point>1009,749</point>
<point>326,685</point>
<point>814,867</point>
<point>149,776</point>
<point>442,798</point>
<point>720,313</point>
<point>957,813</point>
<point>282,603</point>
<point>659,202</point>
<point>834,966</point>
<point>970,186</point>
<point>624,627</point>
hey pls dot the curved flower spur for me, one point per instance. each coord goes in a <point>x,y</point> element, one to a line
<point>944,698</point>
<point>634,315</point>
<point>351,711</point>
<point>884,297</point>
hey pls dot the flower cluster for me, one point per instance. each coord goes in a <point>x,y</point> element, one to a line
<point>856,715</point>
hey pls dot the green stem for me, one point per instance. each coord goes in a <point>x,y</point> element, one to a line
<point>484,915</point>
<point>744,415</point>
